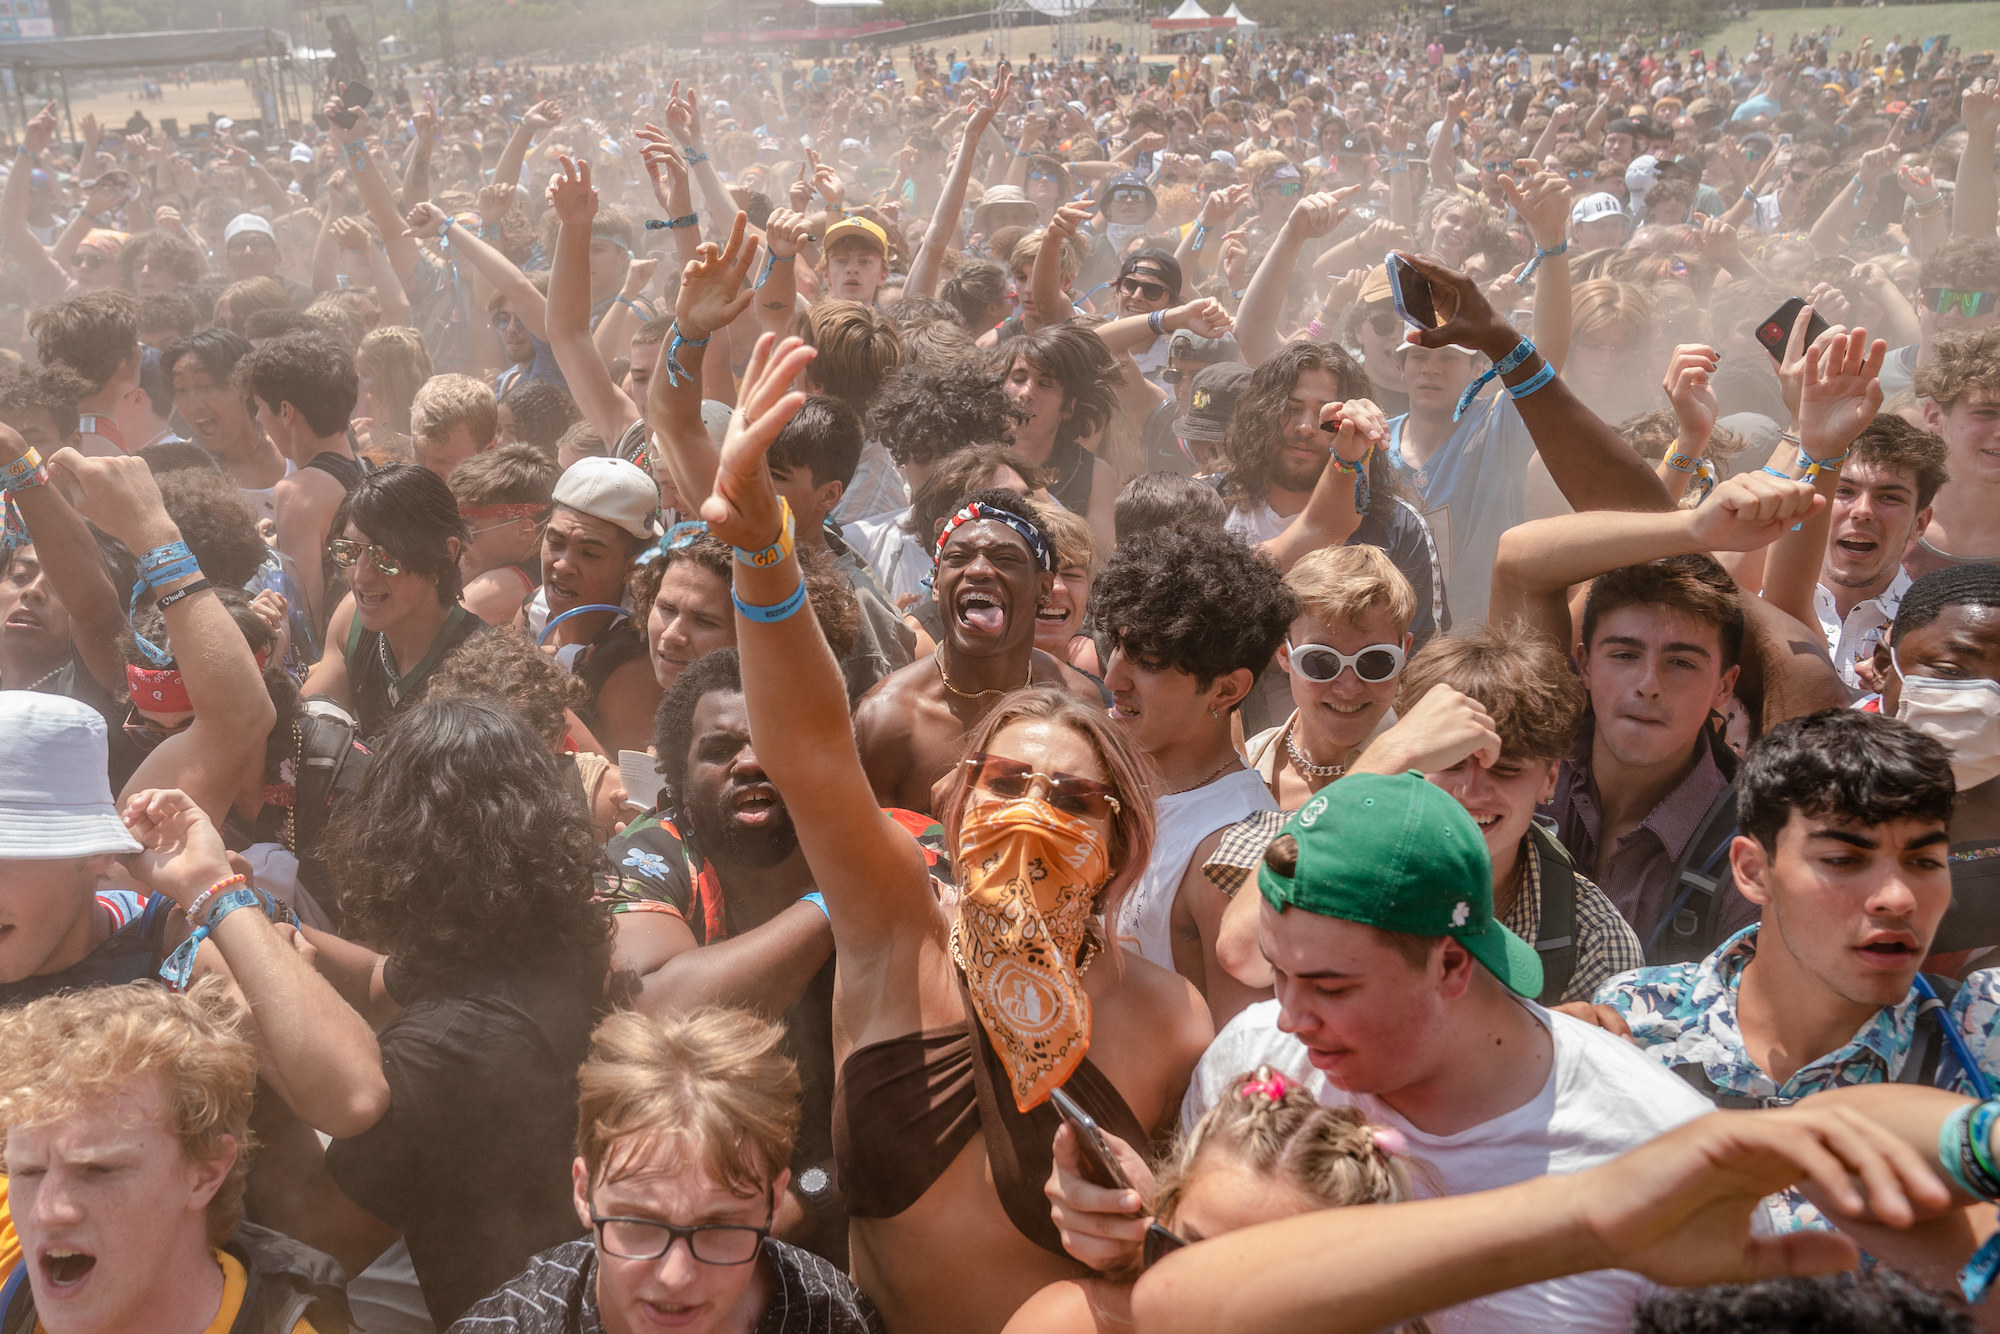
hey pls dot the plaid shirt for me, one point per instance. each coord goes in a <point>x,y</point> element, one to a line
<point>1605,944</point>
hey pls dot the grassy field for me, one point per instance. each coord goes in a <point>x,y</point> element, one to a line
<point>1973,26</point>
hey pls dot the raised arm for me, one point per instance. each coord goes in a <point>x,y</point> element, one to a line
<point>1844,212</point>
<point>1689,389</point>
<point>604,405</point>
<point>684,122</point>
<point>1052,304</point>
<point>1975,205</point>
<point>1588,461</point>
<point>541,116</point>
<point>428,222</point>
<point>312,1047</point>
<point>877,889</point>
<point>1314,216</point>
<point>417,170</point>
<point>368,180</point>
<point>233,712</point>
<point>614,330</point>
<point>1542,198</point>
<point>1336,505</point>
<point>1538,562</point>
<point>75,568</point>
<point>45,275</point>
<point>712,295</point>
<point>1204,239</point>
<point>923,279</point>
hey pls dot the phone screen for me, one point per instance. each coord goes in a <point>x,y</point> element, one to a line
<point>1411,293</point>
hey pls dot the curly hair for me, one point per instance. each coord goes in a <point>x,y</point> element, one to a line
<point>1193,600</point>
<point>1864,1303</point>
<point>1958,363</point>
<point>922,413</point>
<point>310,371</point>
<point>828,589</point>
<point>1845,765</point>
<point>166,250</point>
<point>94,334</point>
<point>1255,436</point>
<point>71,1053</point>
<point>541,412</point>
<point>505,668</point>
<point>216,522</point>
<point>719,672</point>
<point>54,388</point>
<point>463,851</point>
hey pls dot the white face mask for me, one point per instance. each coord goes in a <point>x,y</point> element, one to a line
<point>1963,716</point>
<point>1122,234</point>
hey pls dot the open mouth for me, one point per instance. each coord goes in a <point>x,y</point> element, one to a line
<point>25,620</point>
<point>1123,709</point>
<point>1889,952</point>
<point>756,804</point>
<point>1858,546</point>
<point>65,1268</point>
<point>1052,616</point>
<point>1487,823</point>
<point>981,612</point>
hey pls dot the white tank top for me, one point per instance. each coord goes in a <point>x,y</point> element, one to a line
<point>1145,919</point>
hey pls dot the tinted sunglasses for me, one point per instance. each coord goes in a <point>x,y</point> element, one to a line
<point>1972,305</point>
<point>1128,196</point>
<point>1040,176</point>
<point>1288,189</point>
<point>1142,289</point>
<point>1384,324</point>
<point>1581,175</point>
<point>348,554</point>
<point>1160,1243</point>
<point>147,734</point>
<point>503,320</point>
<point>1801,177</point>
<point>89,259</point>
<point>1011,780</point>
<point>1495,168</point>
<point>1375,664</point>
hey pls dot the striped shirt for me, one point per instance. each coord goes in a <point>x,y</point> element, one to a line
<point>557,1294</point>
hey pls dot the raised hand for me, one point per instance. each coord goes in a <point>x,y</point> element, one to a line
<point>1221,205</point>
<point>571,194</point>
<point>638,274</point>
<point>1358,426</point>
<point>1466,317</point>
<point>712,292</point>
<point>1840,393</point>
<point>167,218</point>
<point>1692,394</point>
<point>543,115</point>
<point>1876,163</point>
<point>1917,184</point>
<point>665,166</point>
<point>1068,221</point>
<point>785,230</point>
<point>1316,215</point>
<point>1791,366</point>
<point>496,201</point>
<point>1751,510</point>
<point>349,234</point>
<point>1543,201</point>
<point>1979,106</point>
<point>424,125</point>
<point>744,510</point>
<point>184,854</point>
<point>426,222</point>
<point>827,181</point>
<point>40,131</point>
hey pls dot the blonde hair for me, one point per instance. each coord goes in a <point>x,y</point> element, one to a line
<point>1029,246</point>
<point>1343,583</point>
<point>396,363</point>
<point>1073,541</point>
<point>77,1051</point>
<point>1603,304</point>
<point>712,1087</point>
<point>445,401</point>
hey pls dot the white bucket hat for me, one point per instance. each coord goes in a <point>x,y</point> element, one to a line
<point>55,788</point>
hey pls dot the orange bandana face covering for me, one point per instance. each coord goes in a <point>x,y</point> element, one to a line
<point>1031,877</point>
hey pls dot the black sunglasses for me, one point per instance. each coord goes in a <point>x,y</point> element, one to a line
<point>1139,287</point>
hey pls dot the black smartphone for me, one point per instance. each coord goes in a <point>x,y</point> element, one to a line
<point>1922,106</point>
<point>354,95</point>
<point>1411,293</point>
<point>1160,1243</point>
<point>1099,1167</point>
<point>1776,331</point>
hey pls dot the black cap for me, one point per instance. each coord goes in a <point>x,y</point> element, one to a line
<point>1212,401</point>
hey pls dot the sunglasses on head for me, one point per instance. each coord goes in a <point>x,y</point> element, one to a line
<point>1375,664</point>
<point>1943,300</point>
<point>1145,291</point>
<point>1010,780</point>
<point>347,555</point>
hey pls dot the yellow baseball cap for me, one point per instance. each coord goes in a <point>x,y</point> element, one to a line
<point>851,227</point>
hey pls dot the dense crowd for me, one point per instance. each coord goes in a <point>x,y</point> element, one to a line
<point>902,693</point>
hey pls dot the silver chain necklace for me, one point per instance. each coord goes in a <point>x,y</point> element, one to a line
<point>1306,766</point>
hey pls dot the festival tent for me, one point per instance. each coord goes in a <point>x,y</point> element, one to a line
<point>1242,20</point>
<point>1189,16</point>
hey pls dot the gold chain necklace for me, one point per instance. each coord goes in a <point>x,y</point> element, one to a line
<point>1231,763</point>
<point>945,676</point>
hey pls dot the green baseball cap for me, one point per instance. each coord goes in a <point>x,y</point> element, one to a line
<point>1398,853</point>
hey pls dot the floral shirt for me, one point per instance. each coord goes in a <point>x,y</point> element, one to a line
<point>1685,1013</point>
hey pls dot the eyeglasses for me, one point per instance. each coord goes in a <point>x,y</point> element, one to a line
<point>1375,664</point>
<point>1969,304</point>
<point>1142,289</point>
<point>1495,168</point>
<point>88,259</point>
<point>710,1243</point>
<point>503,320</point>
<point>1753,155</point>
<point>1011,780</point>
<point>1581,175</point>
<point>348,554</point>
<point>146,734</point>
<point>1041,176</point>
<point>1286,189</point>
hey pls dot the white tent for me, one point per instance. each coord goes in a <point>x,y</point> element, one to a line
<point>1242,20</point>
<point>1189,9</point>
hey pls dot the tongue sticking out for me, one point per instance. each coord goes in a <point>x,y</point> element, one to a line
<point>985,618</point>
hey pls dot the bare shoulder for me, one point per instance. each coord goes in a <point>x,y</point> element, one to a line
<point>1051,670</point>
<point>889,706</point>
<point>1173,1005</point>
<point>1074,1306</point>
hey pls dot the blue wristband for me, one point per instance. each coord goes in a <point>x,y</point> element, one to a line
<point>162,554</point>
<point>777,611</point>
<point>1522,351</point>
<point>817,900</point>
<point>1533,382</point>
<point>1540,255</point>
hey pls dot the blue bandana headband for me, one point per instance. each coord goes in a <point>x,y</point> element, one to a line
<point>973,513</point>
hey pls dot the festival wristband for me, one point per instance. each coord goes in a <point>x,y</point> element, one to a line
<point>1680,462</point>
<point>777,611</point>
<point>780,547</point>
<point>219,887</point>
<point>18,475</point>
<point>161,555</point>
<point>631,305</point>
<point>1522,351</point>
<point>817,900</point>
<point>1157,322</point>
<point>1533,382</point>
<point>182,594</point>
<point>1360,471</point>
<point>1536,262</point>
<point>668,224</point>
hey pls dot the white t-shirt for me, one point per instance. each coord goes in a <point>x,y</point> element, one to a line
<point>1603,1097</point>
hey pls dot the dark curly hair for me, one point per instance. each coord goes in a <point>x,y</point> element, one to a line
<point>1841,764</point>
<point>922,413</point>
<point>542,412</point>
<point>505,668</point>
<point>216,522</point>
<point>1869,1303</point>
<point>827,587</point>
<point>465,852</point>
<point>1193,600</point>
<point>1255,436</point>
<point>310,371</point>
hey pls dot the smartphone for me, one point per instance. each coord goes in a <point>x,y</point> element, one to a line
<point>354,95</point>
<point>1922,106</point>
<point>1785,140</point>
<point>1775,332</point>
<point>1099,1167</point>
<point>1411,293</point>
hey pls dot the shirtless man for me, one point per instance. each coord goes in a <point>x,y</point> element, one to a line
<point>994,570</point>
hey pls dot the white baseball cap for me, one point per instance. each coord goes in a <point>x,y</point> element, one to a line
<point>55,785</point>
<point>248,222</point>
<point>612,490</point>
<point>1590,208</point>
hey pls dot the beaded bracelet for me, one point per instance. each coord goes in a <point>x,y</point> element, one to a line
<point>780,547</point>
<point>1360,471</point>
<point>201,899</point>
<point>776,611</point>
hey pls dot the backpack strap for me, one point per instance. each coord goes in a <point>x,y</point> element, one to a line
<point>1555,938</point>
<point>1686,930</point>
<point>1697,1079</point>
<point>353,645</point>
<point>16,1285</point>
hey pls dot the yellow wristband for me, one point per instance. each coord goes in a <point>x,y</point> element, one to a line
<point>778,549</point>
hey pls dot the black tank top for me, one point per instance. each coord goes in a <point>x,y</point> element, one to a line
<point>376,700</point>
<point>1075,468</point>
